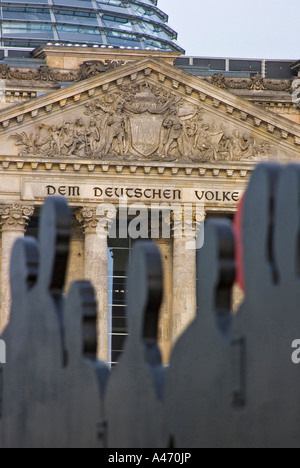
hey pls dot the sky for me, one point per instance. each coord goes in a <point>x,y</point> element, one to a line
<point>236,28</point>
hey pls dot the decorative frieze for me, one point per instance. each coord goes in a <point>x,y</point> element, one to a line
<point>28,165</point>
<point>142,121</point>
<point>256,83</point>
<point>87,70</point>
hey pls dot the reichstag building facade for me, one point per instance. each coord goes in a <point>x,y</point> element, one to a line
<point>99,104</point>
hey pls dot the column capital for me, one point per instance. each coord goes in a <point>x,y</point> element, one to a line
<point>88,219</point>
<point>186,220</point>
<point>95,220</point>
<point>15,217</point>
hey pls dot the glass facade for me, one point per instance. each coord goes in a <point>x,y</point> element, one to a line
<point>110,23</point>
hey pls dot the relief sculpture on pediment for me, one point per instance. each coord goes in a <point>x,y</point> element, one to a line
<point>142,122</point>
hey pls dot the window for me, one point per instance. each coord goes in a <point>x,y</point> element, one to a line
<point>76,29</point>
<point>22,30</point>
<point>219,215</point>
<point>73,16</point>
<point>24,13</point>
<point>33,226</point>
<point>119,253</point>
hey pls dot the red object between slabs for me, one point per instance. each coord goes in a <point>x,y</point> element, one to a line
<point>239,249</point>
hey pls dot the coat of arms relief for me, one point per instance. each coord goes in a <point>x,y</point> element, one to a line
<point>141,121</point>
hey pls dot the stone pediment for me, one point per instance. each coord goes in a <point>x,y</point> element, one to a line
<point>147,110</point>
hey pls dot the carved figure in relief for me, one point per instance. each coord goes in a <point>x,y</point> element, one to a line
<point>248,147</point>
<point>94,137</point>
<point>227,148</point>
<point>234,147</point>
<point>174,126</point>
<point>55,140</point>
<point>43,140</point>
<point>207,142</point>
<point>80,138</point>
<point>117,130</point>
<point>258,83</point>
<point>95,67</point>
<point>66,138</point>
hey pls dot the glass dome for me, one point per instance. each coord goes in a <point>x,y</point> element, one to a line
<point>111,23</point>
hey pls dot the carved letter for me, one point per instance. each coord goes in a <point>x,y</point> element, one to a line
<point>138,193</point>
<point>167,194</point>
<point>109,192</point>
<point>176,194</point>
<point>209,196</point>
<point>62,190</point>
<point>235,196</point>
<point>51,190</point>
<point>217,197</point>
<point>120,194</point>
<point>74,191</point>
<point>145,193</point>
<point>198,196</point>
<point>226,196</point>
<point>98,192</point>
<point>128,191</point>
<point>156,193</point>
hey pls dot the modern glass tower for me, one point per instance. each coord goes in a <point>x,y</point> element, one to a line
<point>110,23</point>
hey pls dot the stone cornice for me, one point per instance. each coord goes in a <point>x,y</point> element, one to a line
<point>72,57</point>
<point>234,107</point>
<point>34,165</point>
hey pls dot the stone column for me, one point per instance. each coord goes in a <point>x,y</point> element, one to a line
<point>185,226</point>
<point>76,258</point>
<point>165,325</point>
<point>14,220</point>
<point>95,269</point>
